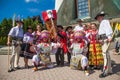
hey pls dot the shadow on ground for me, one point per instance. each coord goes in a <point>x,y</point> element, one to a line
<point>116,68</point>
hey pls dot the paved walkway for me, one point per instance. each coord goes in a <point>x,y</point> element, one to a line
<point>57,73</point>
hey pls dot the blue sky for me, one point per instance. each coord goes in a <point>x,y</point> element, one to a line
<point>24,8</point>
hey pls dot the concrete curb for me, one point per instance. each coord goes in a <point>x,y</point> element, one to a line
<point>4,50</point>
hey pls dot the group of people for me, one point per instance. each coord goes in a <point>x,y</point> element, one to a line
<point>84,44</point>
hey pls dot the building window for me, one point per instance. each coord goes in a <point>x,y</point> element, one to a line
<point>83,8</point>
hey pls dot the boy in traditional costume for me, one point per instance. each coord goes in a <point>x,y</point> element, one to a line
<point>62,39</point>
<point>70,38</point>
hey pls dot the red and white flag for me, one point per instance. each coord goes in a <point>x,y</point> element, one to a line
<point>49,14</point>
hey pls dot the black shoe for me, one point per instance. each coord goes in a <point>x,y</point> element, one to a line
<point>97,67</point>
<point>11,70</point>
<point>26,67</point>
<point>58,64</point>
<point>68,63</point>
<point>102,75</point>
<point>61,65</point>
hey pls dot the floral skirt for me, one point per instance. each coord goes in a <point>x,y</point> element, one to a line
<point>95,54</point>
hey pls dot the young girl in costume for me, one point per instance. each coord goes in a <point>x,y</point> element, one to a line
<point>43,51</point>
<point>79,47</point>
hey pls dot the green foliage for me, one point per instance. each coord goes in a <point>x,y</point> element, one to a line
<point>6,25</point>
<point>3,40</point>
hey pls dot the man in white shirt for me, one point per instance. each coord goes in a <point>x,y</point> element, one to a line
<point>16,33</point>
<point>105,33</point>
<point>79,26</point>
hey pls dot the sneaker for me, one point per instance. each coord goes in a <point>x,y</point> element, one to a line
<point>26,67</point>
<point>87,73</point>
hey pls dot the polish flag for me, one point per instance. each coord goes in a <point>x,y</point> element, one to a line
<point>49,14</point>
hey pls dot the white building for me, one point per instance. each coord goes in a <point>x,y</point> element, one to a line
<point>68,11</point>
<point>58,4</point>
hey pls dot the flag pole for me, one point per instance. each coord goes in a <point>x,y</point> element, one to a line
<point>112,38</point>
<point>13,21</point>
<point>53,27</point>
<point>8,55</point>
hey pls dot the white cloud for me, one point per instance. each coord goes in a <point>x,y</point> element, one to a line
<point>34,10</point>
<point>27,1</point>
<point>35,1</point>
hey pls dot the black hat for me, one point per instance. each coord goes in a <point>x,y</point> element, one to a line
<point>17,21</point>
<point>69,27</point>
<point>60,26</point>
<point>29,28</point>
<point>102,13</point>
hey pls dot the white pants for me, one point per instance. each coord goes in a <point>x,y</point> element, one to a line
<point>84,62</point>
<point>107,61</point>
<point>15,56</point>
<point>36,60</point>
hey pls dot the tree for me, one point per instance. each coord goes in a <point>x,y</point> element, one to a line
<point>9,24</point>
<point>29,20</point>
<point>4,25</point>
<point>0,29</point>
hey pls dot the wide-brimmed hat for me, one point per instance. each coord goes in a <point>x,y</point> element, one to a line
<point>29,27</point>
<point>69,27</point>
<point>60,26</point>
<point>102,13</point>
<point>79,20</point>
<point>19,21</point>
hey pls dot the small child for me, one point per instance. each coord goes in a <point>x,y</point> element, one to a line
<point>43,51</point>
<point>79,60</point>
